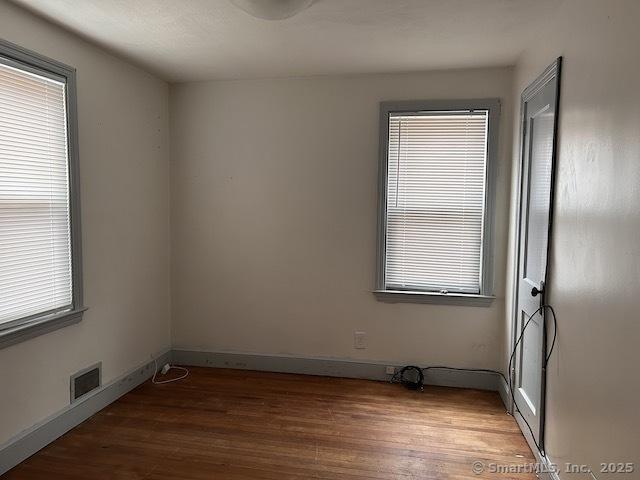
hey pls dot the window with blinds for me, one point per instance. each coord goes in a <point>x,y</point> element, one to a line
<point>435,200</point>
<point>35,222</point>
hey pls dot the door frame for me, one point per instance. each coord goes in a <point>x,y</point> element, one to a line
<point>551,73</point>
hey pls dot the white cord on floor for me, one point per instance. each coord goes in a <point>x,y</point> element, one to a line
<point>159,382</point>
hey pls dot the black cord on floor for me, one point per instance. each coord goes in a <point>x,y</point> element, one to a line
<point>496,372</point>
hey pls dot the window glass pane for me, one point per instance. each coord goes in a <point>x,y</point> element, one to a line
<point>436,170</point>
<point>35,238</point>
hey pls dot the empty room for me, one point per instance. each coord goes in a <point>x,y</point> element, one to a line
<point>319,239</point>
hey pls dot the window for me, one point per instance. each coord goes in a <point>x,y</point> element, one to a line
<point>436,180</point>
<point>40,283</point>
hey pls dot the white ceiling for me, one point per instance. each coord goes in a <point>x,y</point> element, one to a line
<point>185,40</point>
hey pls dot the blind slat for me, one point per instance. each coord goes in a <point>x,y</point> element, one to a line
<point>35,227</point>
<point>436,170</point>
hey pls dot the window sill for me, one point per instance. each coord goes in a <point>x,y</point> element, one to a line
<point>401,296</point>
<point>39,326</point>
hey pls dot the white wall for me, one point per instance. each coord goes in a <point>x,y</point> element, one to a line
<point>274,191</point>
<point>123,128</point>
<point>594,285</point>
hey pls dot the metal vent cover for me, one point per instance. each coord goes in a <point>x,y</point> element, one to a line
<point>85,381</point>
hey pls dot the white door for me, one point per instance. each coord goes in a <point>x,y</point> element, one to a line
<point>539,105</point>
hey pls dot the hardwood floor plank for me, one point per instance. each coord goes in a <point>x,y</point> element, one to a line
<point>239,425</point>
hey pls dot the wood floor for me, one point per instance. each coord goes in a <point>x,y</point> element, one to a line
<point>236,425</point>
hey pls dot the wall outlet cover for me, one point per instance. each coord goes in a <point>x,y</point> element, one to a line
<point>360,340</point>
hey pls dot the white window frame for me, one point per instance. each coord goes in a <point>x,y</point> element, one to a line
<point>485,297</point>
<point>28,327</point>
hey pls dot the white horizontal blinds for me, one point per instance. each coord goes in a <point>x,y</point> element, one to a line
<point>435,200</point>
<point>35,238</point>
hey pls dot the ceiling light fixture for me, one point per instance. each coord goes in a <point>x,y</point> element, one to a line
<point>272,9</point>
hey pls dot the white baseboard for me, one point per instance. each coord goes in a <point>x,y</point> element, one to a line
<point>28,442</point>
<point>331,367</point>
<point>548,468</point>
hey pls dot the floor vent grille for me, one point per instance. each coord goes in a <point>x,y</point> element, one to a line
<point>85,381</point>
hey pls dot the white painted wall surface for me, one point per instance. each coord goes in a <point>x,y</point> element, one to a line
<point>123,128</point>
<point>594,284</point>
<point>274,191</point>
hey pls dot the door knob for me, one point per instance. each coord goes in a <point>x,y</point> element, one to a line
<point>535,292</point>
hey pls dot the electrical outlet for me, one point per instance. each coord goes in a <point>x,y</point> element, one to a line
<point>360,340</point>
<point>390,370</point>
